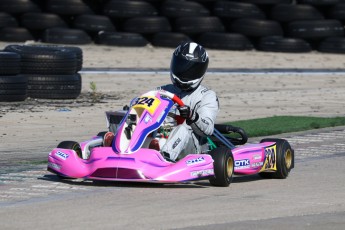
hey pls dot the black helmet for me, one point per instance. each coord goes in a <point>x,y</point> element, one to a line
<point>188,66</point>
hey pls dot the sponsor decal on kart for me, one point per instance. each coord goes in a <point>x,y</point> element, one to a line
<point>195,161</point>
<point>54,166</point>
<point>147,103</point>
<point>147,119</point>
<point>242,164</point>
<point>202,173</point>
<point>270,158</point>
<point>257,157</point>
<point>61,155</point>
<point>257,164</point>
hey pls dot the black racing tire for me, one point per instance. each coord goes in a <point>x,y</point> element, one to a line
<point>332,45</point>
<point>93,23</point>
<point>256,27</point>
<point>223,166</point>
<point>318,2</point>
<point>15,34</point>
<point>7,20</point>
<point>316,29</point>
<point>284,45</point>
<point>174,9</point>
<point>226,41</point>
<point>198,25</point>
<point>66,36</point>
<point>290,12</point>
<point>74,49</point>
<point>18,6</point>
<point>227,9</point>
<point>73,145</point>
<point>285,158</point>
<point>147,25</point>
<point>13,88</point>
<point>9,63</point>
<point>129,9</point>
<point>41,21</point>
<point>337,12</point>
<point>267,2</point>
<point>42,60</point>
<point>121,39</point>
<point>169,39</point>
<point>54,86</point>
<point>68,7</point>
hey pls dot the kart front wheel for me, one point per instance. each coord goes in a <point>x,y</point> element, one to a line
<point>284,159</point>
<point>223,166</point>
<point>71,145</point>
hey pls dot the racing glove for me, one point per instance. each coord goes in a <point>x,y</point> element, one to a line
<point>189,114</point>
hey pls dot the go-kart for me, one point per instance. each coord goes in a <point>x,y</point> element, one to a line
<point>130,158</point>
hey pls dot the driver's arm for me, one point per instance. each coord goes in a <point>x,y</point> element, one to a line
<point>207,110</point>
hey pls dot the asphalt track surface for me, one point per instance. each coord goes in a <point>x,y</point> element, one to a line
<point>312,197</point>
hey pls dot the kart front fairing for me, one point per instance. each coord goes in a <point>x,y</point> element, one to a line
<point>145,115</point>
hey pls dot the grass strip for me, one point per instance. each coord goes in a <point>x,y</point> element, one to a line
<point>285,124</point>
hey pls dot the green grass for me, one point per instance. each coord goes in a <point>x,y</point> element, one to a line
<point>285,124</point>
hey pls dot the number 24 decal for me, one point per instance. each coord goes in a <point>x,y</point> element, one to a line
<point>143,101</point>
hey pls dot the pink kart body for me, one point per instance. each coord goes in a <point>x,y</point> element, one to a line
<point>130,159</point>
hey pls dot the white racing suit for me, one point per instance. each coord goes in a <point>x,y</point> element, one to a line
<point>187,139</point>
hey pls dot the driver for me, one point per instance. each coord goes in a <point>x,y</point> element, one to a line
<point>187,70</point>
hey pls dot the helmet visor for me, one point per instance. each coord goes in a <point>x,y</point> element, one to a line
<point>186,70</point>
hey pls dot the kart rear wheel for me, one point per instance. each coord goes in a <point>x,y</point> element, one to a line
<point>285,159</point>
<point>71,145</point>
<point>223,166</point>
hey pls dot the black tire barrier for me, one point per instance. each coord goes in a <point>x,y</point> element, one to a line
<point>74,49</point>
<point>86,21</point>
<point>13,88</point>
<point>256,27</point>
<point>226,41</point>
<point>41,60</point>
<point>332,45</point>
<point>15,34</point>
<point>67,7</point>
<point>288,13</point>
<point>337,12</point>
<point>318,2</point>
<point>285,45</point>
<point>7,20</point>
<point>121,39</point>
<point>175,9</point>
<point>129,9</point>
<point>41,21</point>
<point>54,86</point>
<point>18,6</point>
<point>198,25</point>
<point>147,25</point>
<point>224,9</point>
<point>316,29</point>
<point>267,2</point>
<point>66,36</point>
<point>169,39</point>
<point>9,63</point>
<point>93,23</point>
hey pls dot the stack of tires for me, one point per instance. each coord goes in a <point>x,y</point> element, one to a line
<point>267,25</point>
<point>51,71</point>
<point>13,86</point>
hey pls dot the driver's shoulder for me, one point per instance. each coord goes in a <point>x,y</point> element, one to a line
<point>205,91</point>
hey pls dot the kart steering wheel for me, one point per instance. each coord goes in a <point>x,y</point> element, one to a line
<point>176,100</point>
<point>172,96</point>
